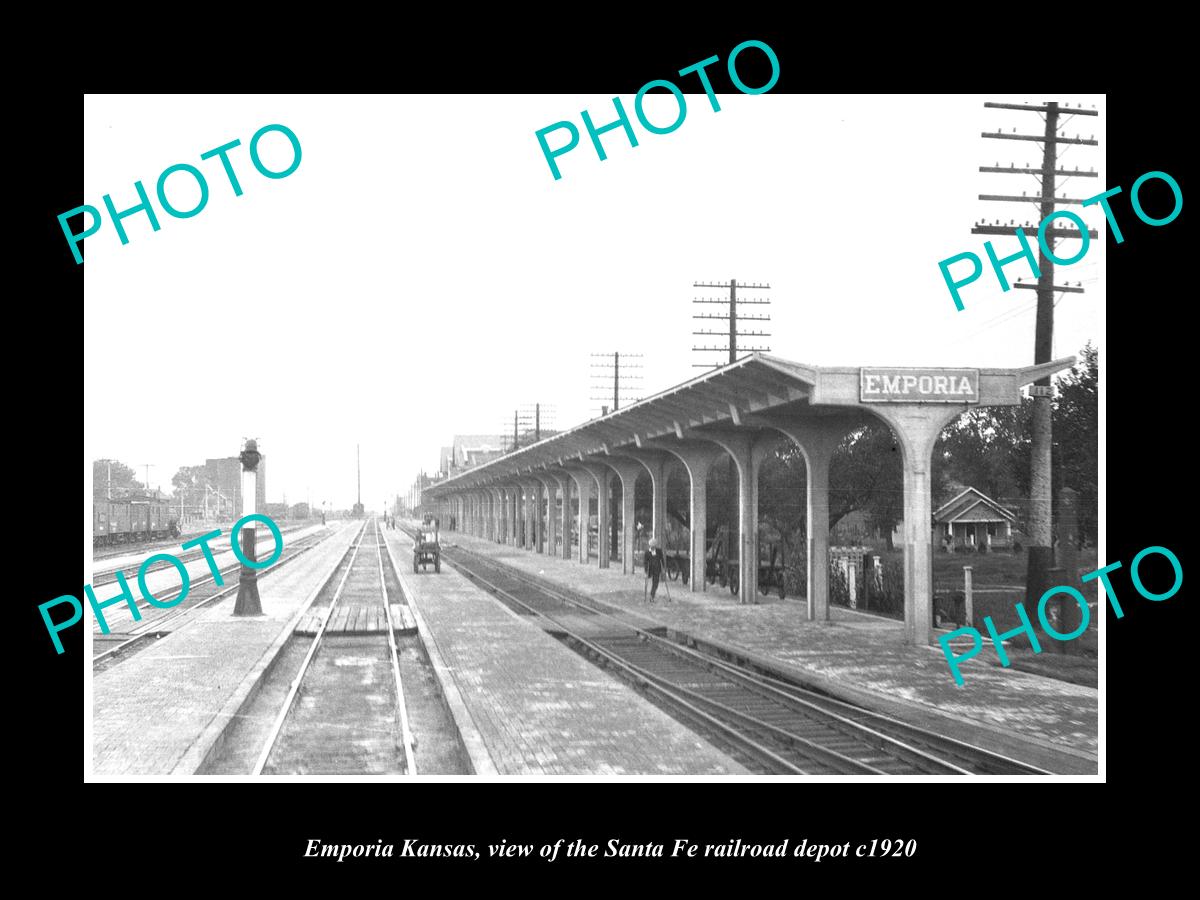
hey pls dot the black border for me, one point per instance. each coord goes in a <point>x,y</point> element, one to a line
<point>1147,388</point>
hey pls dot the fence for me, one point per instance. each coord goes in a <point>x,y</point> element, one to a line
<point>867,581</point>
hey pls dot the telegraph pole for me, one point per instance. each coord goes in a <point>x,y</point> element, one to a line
<point>627,376</point>
<point>358,511</point>
<point>527,420</point>
<point>1040,520</point>
<point>616,381</point>
<point>734,318</point>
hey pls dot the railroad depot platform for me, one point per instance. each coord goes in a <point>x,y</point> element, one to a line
<point>857,657</point>
<point>527,705</point>
<point>164,709</point>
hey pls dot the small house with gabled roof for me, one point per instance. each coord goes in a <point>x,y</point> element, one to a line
<point>971,519</point>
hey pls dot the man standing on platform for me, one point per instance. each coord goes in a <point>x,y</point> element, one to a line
<point>653,564</point>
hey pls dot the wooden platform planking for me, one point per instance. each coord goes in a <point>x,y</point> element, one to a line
<point>357,620</point>
<point>402,619</point>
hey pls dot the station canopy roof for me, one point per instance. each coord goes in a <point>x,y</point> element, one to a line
<point>754,384</point>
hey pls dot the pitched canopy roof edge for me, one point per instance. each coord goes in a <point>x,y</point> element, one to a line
<point>756,373</point>
<point>579,439</point>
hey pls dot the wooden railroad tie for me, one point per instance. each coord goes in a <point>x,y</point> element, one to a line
<point>358,620</point>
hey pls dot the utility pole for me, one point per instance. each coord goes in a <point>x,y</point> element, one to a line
<point>1040,519</point>
<point>628,376</point>
<point>148,467</point>
<point>530,419</point>
<point>631,376</point>
<point>109,479</point>
<point>527,420</point>
<point>358,506</point>
<point>734,318</point>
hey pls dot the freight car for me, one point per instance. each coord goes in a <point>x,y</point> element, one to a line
<point>131,520</point>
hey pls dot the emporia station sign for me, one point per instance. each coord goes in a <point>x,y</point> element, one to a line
<point>919,386</point>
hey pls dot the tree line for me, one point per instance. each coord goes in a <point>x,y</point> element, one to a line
<point>113,478</point>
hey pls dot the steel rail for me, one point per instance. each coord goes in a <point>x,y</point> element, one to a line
<point>951,746</point>
<point>692,701</point>
<point>109,576</point>
<point>790,694</point>
<point>406,734</point>
<point>294,688</point>
<point>836,723</point>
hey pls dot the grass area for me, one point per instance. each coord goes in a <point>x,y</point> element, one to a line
<point>995,568</point>
<point>998,581</point>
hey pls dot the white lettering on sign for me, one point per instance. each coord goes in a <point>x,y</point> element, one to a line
<point>919,386</point>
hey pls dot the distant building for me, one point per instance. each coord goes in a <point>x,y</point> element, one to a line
<point>300,511</point>
<point>470,450</point>
<point>225,475</point>
<point>415,492</point>
<point>970,519</point>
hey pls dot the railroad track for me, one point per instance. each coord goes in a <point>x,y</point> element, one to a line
<point>109,576</point>
<point>338,715</point>
<point>101,552</point>
<point>772,725</point>
<point>123,548</point>
<point>117,646</point>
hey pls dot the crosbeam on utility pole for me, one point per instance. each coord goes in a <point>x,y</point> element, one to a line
<point>1041,553</point>
<point>626,378</point>
<point>528,421</point>
<point>730,346</point>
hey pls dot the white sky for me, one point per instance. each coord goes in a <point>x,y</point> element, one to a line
<point>421,274</point>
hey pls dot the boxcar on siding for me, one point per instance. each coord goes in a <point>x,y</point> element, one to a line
<point>131,520</point>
